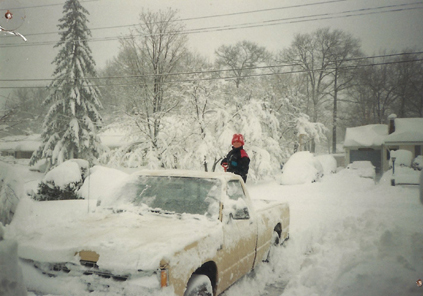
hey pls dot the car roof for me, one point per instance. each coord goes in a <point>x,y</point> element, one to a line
<point>188,174</point>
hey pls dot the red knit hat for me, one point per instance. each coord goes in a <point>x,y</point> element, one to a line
<point>238,138</point>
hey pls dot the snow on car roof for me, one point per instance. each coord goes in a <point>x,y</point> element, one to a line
<point>188,173</point>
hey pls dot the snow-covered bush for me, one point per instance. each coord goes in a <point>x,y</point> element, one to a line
<point>418,163</point>
<point>63,181</point>
<point>402,158</point>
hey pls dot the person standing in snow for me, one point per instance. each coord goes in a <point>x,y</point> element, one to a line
<point>237,160</point>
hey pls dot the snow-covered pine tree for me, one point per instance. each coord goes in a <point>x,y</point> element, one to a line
<point>71,124</point>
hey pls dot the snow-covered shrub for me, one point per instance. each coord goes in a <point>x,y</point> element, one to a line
<point>418,163</point>
<point>63,181</point>
<point>402,158</point>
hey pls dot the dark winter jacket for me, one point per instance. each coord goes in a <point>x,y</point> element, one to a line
<point>238,162</point>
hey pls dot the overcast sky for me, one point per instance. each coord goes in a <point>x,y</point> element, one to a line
<point>377,26</point>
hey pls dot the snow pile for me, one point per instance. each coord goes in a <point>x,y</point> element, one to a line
<point>362,168</point>
<point>348,236</point>
<point>10,192</point>
<point>328,162</point>
<point>11,279</point>
<point>302,167</point>
<point>102,184</point>
<point>403,175</point>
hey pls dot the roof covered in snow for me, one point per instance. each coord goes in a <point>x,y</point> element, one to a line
<point>111,138</point>
<point>407,130</point>
<point>114,137</point>
<point>372,135</point>
<point>20,143</point>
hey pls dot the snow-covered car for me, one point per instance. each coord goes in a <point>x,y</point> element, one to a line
<point>364,168</point>
<point>193,233</point>
<point>302,167</point>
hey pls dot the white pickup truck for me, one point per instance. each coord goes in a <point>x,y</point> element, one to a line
<point>188,233</point>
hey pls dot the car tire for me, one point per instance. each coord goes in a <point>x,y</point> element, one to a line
<point>199,285</point>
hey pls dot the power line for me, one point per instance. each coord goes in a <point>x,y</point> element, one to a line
<point>214,70</point>
<point>236,77</point>
<point>208,16</point>
<point>46,5</point>
<point>299,19</point>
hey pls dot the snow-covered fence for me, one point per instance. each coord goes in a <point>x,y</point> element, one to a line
<point>10,192</point>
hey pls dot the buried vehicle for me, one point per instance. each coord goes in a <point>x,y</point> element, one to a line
<point>189,233</point>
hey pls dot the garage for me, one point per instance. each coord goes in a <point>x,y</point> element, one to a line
<point>373,155</point>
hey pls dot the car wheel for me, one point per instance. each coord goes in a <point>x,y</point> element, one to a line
<point>199,285</point>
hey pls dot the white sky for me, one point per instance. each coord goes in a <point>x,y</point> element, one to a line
<point>391,31</point>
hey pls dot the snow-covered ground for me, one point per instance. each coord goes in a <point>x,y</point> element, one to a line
<point>348,236</point>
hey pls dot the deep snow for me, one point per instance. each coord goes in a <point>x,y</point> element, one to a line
<point>348,236</point>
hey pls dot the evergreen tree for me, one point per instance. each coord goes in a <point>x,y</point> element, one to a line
<point>71,124</point>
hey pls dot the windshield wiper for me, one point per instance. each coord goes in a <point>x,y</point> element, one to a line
<point>161,211</point>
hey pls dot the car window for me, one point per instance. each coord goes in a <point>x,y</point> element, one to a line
<point>235,190</point>
<point>237,204</point>
<point>178,194</point>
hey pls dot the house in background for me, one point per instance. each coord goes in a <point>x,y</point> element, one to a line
<point>375,141</point>
<point>20,147</point>
<point>404,134</point>
<point>366,143</point>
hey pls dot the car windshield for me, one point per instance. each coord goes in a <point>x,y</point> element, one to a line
<point>164,194</point>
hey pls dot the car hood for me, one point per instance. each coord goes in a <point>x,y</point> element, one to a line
<point>57,231</point>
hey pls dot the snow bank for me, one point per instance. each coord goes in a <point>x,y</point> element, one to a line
<point>328,162</point>
<point>348,236</point>
<point>101,184</point>
<point>362,168</point>
<point>11,190</point>
<point>11,279</point>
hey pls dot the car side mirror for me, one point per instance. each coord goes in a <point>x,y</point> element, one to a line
<point>238,210</point>
<point>241,214</point>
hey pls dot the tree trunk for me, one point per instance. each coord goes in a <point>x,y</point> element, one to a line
<point>335,111</point>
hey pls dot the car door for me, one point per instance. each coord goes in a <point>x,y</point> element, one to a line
<point>239,233</point>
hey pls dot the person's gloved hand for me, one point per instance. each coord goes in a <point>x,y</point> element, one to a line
<point>224,165</point>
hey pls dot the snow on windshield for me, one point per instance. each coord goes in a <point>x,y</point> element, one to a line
<point>173,194</point>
